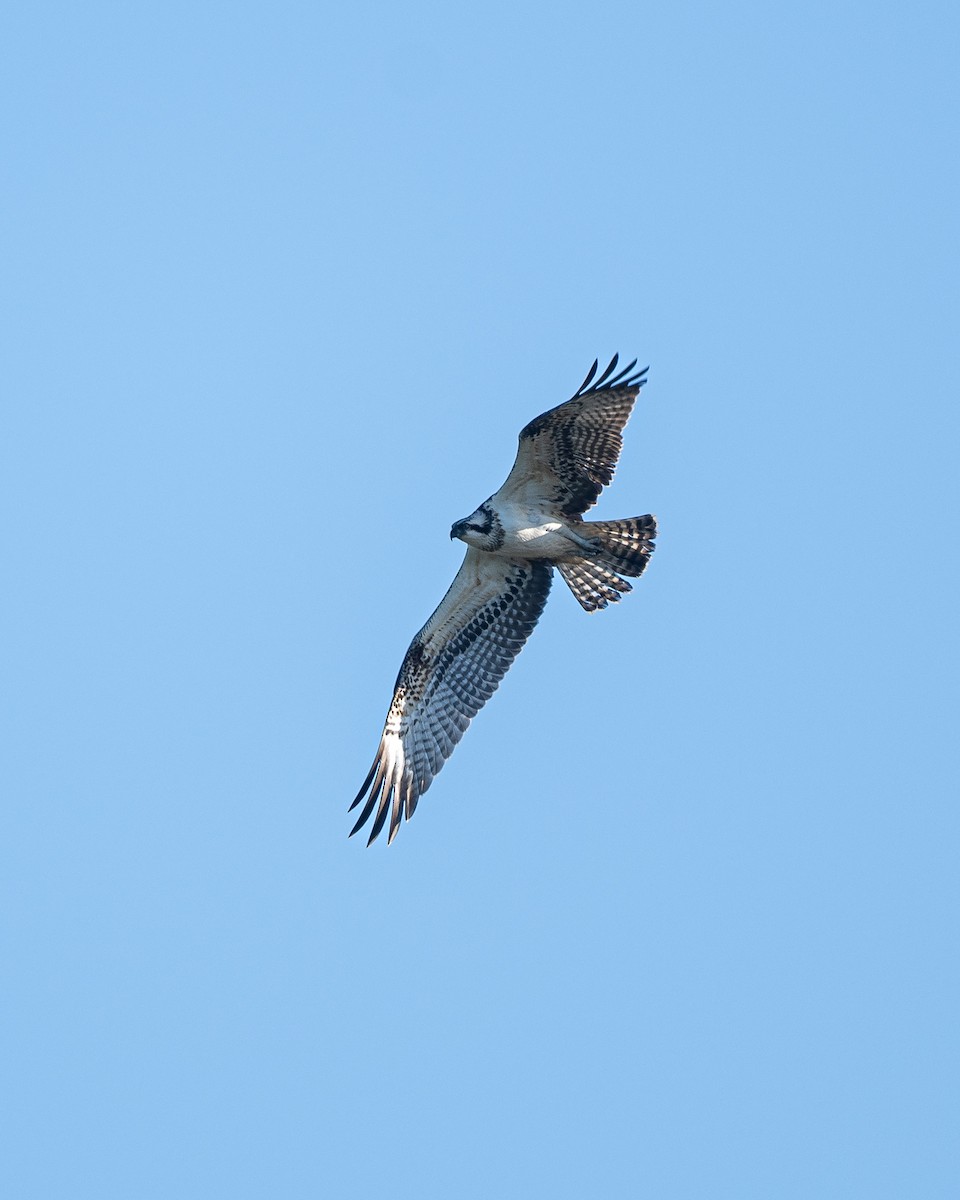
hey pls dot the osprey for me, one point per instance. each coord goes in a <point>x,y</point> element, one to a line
<point>514,540</point>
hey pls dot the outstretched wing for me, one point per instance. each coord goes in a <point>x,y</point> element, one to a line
<point>453,666</point>
<point>568,455</point>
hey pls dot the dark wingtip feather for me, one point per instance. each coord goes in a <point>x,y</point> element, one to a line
<point>621,376</point>
<point>381,817</point>
<point>590,375</point>
<point>366,784</point>
<point>612,364</point>
<point>638,378</point>
<point>360,822</point>
<point>624,378</point>
<point>395,813</point>
<point>375,791</point>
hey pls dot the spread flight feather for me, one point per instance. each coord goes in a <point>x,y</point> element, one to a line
<point>455,663</point>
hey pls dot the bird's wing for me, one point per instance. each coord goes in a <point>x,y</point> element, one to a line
<point>568,455</point>
<point>452,668</point>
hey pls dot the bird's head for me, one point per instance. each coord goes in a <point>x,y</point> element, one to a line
<point>482,529</point>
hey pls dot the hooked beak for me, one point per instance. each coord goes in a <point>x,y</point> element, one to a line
<point>457,529</point>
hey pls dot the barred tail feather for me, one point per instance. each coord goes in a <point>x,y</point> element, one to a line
<point>625,545</point>
<point>623,548</point>
<point>592,583</point>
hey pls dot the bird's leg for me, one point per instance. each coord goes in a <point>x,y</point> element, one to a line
<point>586,546</point>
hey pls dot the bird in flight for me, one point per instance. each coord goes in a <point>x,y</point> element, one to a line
<point>514,540</point>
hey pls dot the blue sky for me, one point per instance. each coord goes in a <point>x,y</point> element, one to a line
<point>281,285</point>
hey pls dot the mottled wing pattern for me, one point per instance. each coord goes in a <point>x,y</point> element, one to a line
<point>452,668</point>
<point>568,455</point>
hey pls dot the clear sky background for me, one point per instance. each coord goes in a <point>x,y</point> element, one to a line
<point>281,284</point>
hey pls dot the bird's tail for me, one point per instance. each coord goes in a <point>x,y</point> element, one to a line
<point>623,548</point>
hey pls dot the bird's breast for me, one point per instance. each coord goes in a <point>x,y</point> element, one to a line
<point>541,540</point>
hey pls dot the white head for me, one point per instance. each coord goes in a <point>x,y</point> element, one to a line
<point>482,529</point>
